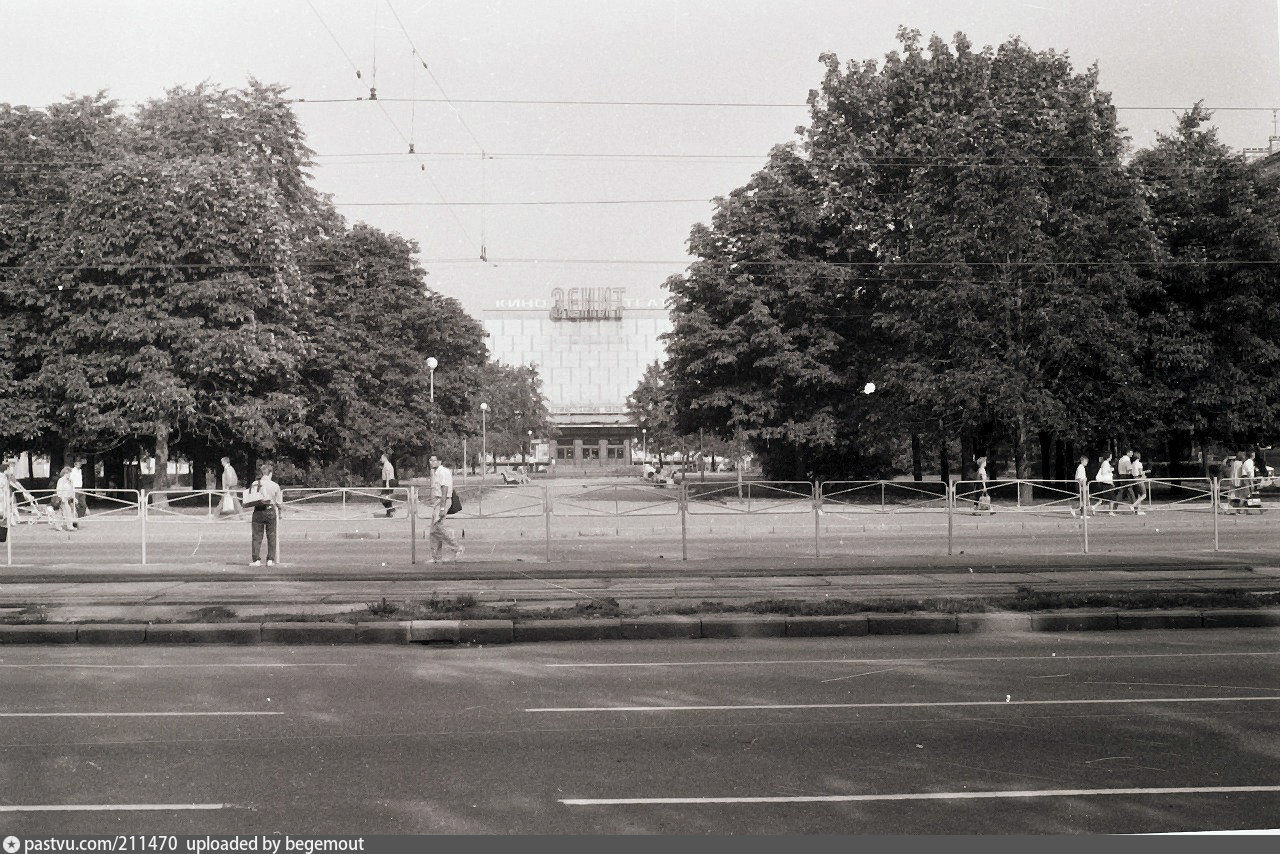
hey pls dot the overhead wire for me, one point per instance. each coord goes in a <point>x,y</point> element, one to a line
<point>582,102</point>
<point>335,39</point>
<point>391,121</point>
<point>484,188</point>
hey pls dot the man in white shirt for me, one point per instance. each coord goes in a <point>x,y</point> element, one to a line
<point>441,498</point>
<point>1124,477</point>
<point>1248,473</point>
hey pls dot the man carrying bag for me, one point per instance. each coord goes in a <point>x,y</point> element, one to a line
<point>266,500</point>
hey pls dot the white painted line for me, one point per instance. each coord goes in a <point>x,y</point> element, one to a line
<point>942,704</point>
<point>911,660</point>
<point>175,666</point>
<point>130,714</point>
<point>918,796</point>
<point>108,807</point>
<point>856,675</point>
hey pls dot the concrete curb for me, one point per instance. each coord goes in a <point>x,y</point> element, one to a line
<point>202,633</point>
<point>716,626</point>
<point>308,633</point>
<point>486,631</point>
<point>659,627</point>
<point>913,624</point>
<point>853,625</point>
<point>568,630</point>
<point>744,626</point>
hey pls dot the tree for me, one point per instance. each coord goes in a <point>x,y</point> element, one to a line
<point>171,291</point>
<point>372,328</point>
<point>159,291</point>
<point>1209,324</point>
<point>771,338</point>
<point>654,409</point>
<point>41,152</point>
<point>957,227</point>
<point>516,407</point>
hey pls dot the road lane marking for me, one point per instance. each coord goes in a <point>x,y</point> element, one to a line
<point>856,675</point>
<point>128,714</point>
<point>910,660</point>
<point>1184,685</point>
<point>178,666</point>
<point>107,807</point>
<point>918,796</point>
<point>939,704</point>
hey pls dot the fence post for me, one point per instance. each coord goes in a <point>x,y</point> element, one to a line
<point>279,532</point>
<point>882,496</point>
<point>1215,498</point>
<point>684,521</point>
<point>546,512</point>
<point>413,524</point>
<point>951,508</point>
<point>10,519</point>
<point>142,502</point>
<point>817,522</point>
<point>1084,513</point>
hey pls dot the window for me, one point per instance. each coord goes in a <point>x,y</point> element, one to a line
<point>591,453</point>
<point>617,451</point>
<point>564,452</point>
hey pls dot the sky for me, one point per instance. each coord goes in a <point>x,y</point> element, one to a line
<point>659,105</point>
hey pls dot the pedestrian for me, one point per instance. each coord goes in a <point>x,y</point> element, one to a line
<point>77,481</point>
<point>230,482</point>
<point>266,500</point>
<point>389,482</point>
<point>1124,470</point>
<point>441,501</point>
<point>9,484</point>
<point>1235,470</point>
<point>1139,484</point>
<point>1082,484</point>
<point>1248,474</point>
<point>65,492</point>
<point>1107,489</point>
<point>984,498</point>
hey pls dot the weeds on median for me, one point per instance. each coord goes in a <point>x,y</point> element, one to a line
<point>467,607</point>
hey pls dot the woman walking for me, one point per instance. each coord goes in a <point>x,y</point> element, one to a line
<point>1107,477</point>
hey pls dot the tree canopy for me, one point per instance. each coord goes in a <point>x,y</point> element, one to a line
<point>961,228</point>
<point>171,280</point>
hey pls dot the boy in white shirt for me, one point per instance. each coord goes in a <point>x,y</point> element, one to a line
<point>1082,481</point>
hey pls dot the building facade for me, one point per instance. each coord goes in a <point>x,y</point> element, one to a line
<point>591,347</point>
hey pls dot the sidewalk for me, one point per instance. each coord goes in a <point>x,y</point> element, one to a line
<point>123,592</point>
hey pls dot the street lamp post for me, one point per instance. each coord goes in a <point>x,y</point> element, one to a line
<point>530,447</point>
<point>644,443</point>
<point>432,364</point>
<point>484,446</point>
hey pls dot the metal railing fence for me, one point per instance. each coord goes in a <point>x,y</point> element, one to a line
<point>502,508</point>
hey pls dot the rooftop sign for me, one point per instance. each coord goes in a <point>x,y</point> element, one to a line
<point>587,303</point>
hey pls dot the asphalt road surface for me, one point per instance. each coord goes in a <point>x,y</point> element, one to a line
<point>1106,733</point>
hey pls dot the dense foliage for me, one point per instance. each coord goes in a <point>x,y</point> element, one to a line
<point>961,228</point>
<point>170,282</point>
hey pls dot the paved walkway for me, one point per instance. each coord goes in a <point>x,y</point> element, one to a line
<point>121,591</point>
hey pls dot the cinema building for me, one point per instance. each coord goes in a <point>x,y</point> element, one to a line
<point>591,347</point>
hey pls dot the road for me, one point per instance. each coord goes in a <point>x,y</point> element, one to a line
<point>1103,733</point>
